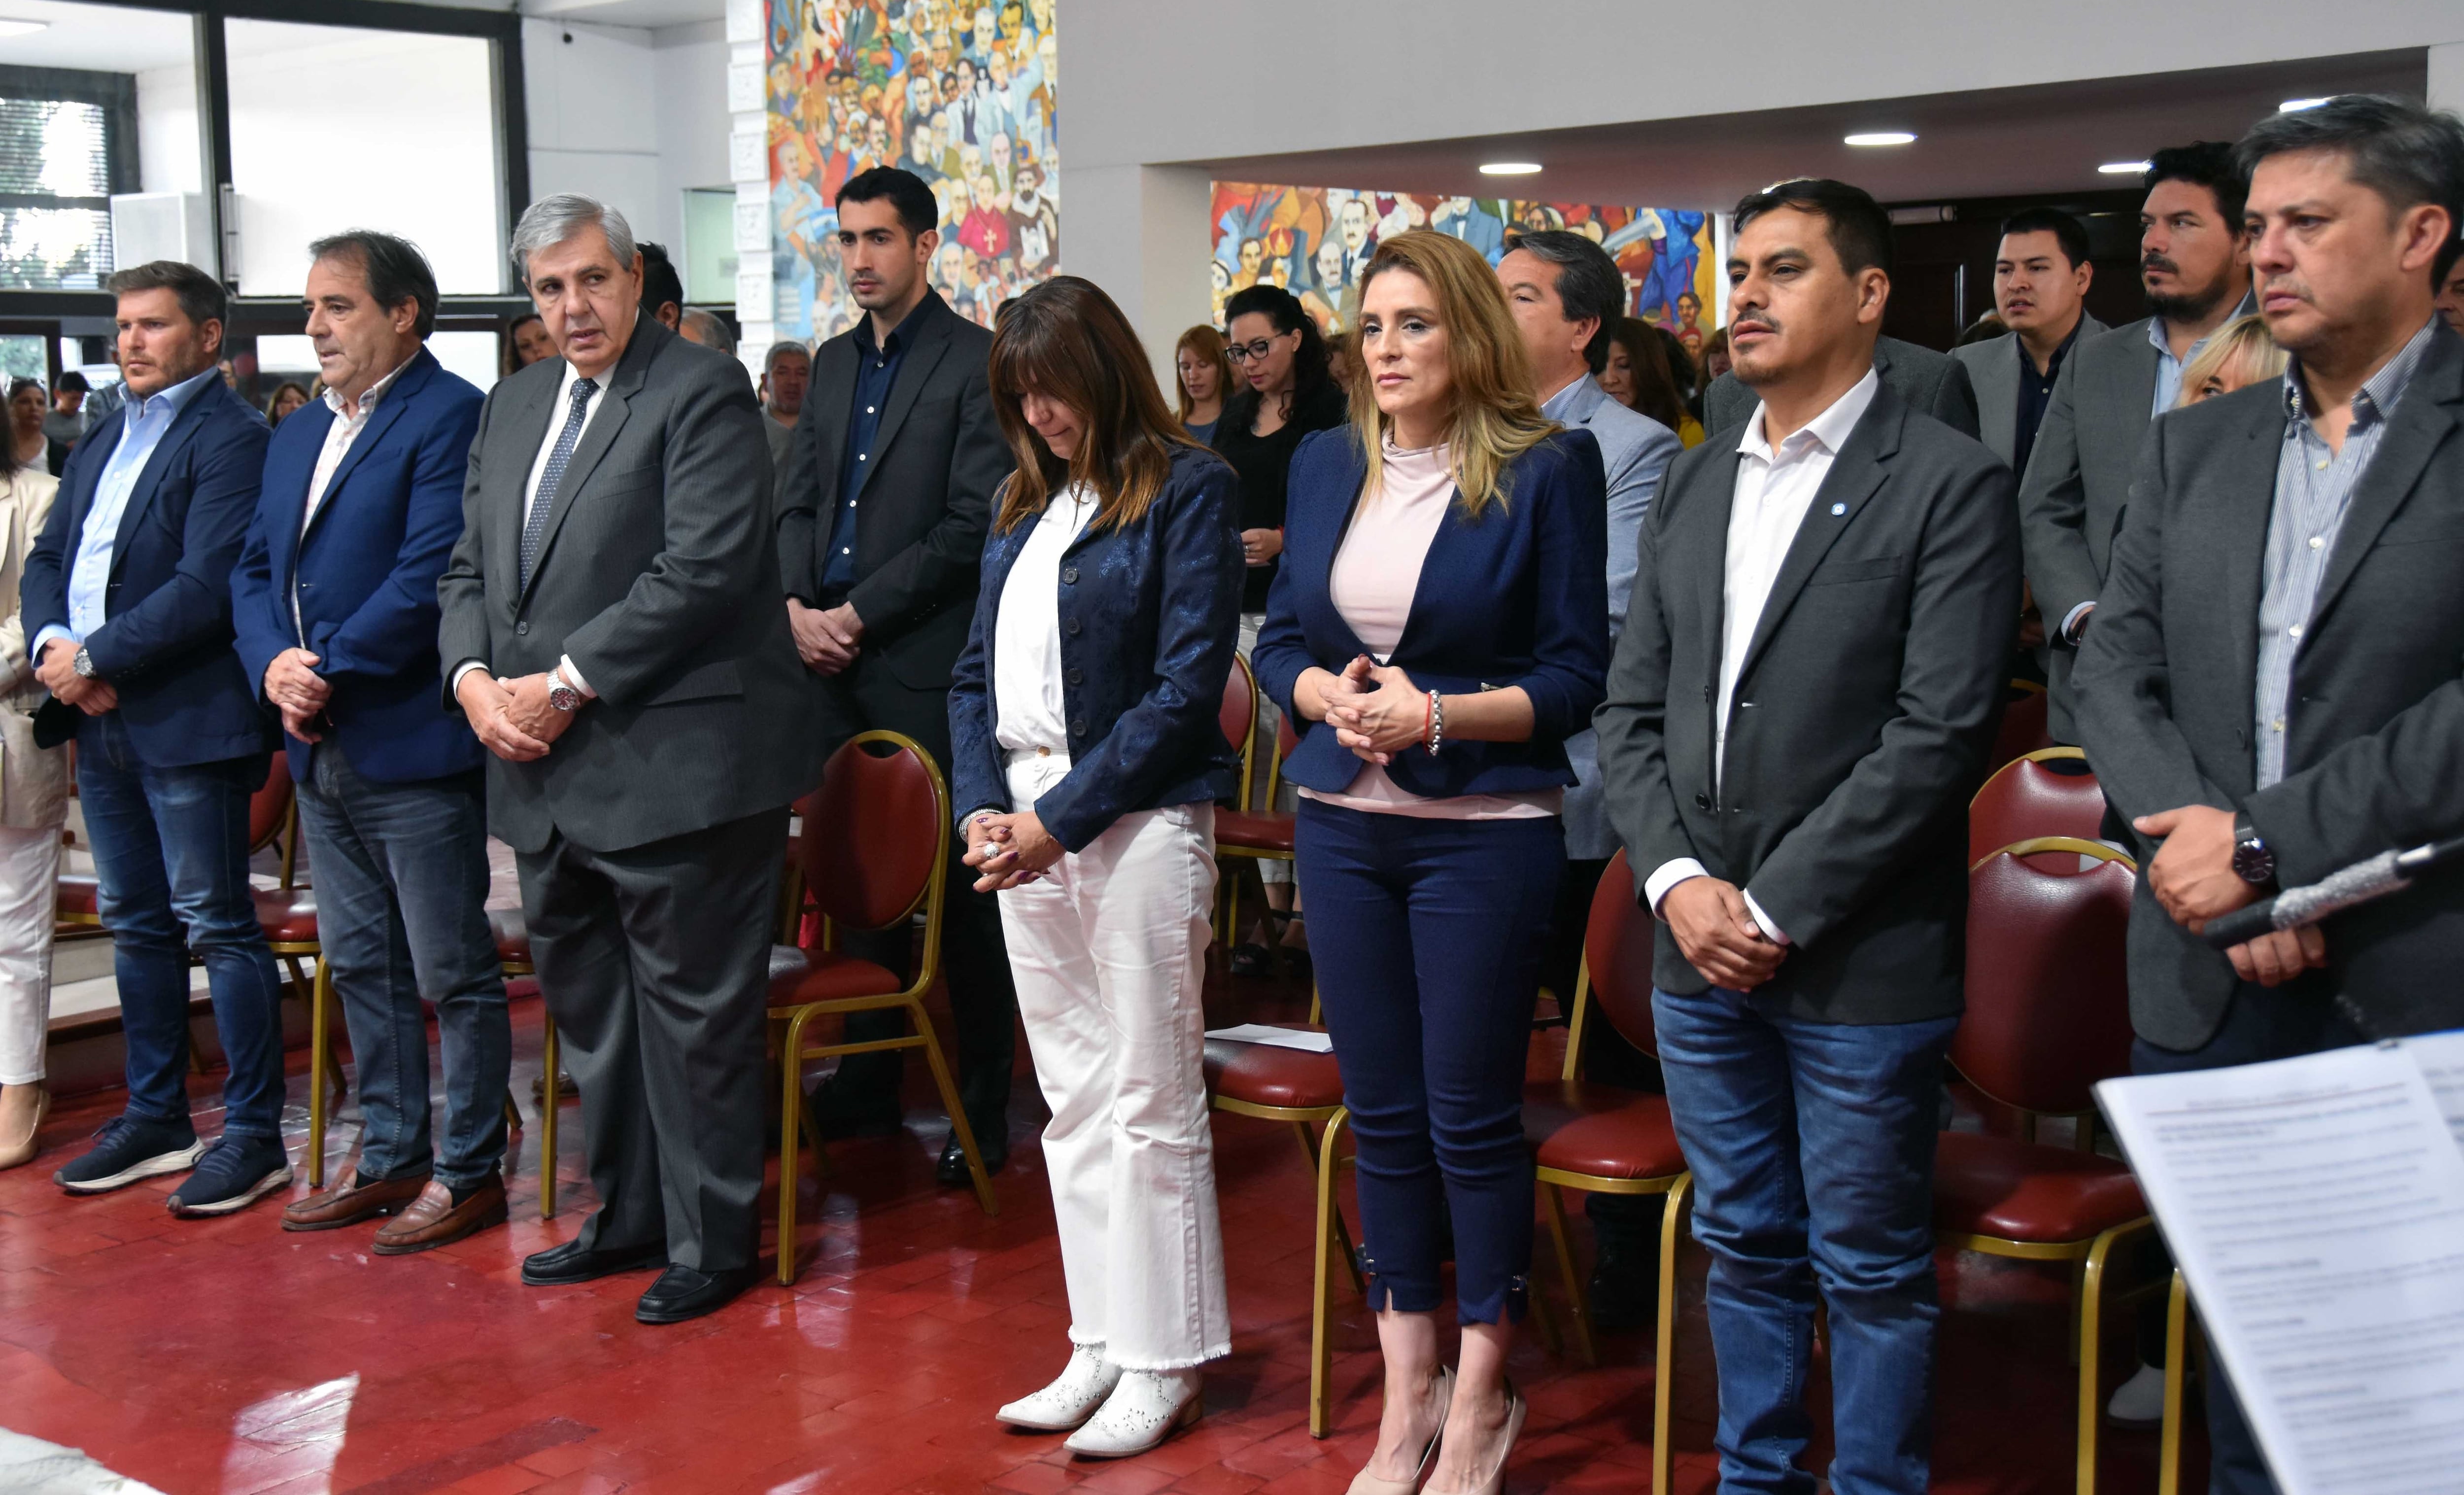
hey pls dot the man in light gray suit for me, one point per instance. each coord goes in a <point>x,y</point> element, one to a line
<point>2272,687</point>
<point>1924,380</point>
<point>2195,266</point>
<point>615,632</point>
<point>2040,279</point>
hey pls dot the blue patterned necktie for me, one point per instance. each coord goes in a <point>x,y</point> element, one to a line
<point>534,526</point>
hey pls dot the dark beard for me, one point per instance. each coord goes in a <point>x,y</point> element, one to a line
<point>2185,308</point>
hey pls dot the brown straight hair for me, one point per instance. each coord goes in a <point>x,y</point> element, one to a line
<point>1064,340</point>
<point>1209,344</point>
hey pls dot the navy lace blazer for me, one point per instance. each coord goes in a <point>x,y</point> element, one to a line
<point>1149,615</point>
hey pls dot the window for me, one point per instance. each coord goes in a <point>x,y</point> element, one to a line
<point>67,143</point>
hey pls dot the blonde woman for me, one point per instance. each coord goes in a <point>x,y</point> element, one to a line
<point>1438,629</point>
<point>1206,379</point>
<point>2240,352</point>
<point>33,803</point>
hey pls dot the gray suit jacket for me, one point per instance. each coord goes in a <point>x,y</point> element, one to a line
<point>2167,686</point>
<point>1867,703</point>
<point>2078,483</point>
<point>1934,382</point>
<point>659,575</point>
<point>1994,373</point>
<point>1636,451</point>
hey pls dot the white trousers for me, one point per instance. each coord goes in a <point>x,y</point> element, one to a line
<point>30,873</point>
<point>1109,951</point>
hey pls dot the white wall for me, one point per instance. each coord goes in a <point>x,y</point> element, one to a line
<point>170,157</point>
<point>627,116</point>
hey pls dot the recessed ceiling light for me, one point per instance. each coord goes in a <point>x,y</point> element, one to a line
<point>2297,105</point>
<point>9,26</point>
<point>1509,169</point>
<point>2123,168</point>
<point>1880,138</point>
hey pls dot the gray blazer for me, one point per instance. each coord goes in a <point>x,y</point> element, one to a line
<point>2166,683</point>
<point>1862,717</point>
<point>1636,451</point>
<point>1994,373</point>
<point>1934,382</point>
<point>2078,483</point>
<point>659,575</point>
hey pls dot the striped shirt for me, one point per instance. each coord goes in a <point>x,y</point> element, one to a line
<point>2314,491</point>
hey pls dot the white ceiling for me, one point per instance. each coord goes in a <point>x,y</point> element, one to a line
<point>650,14</point>
<point>99,38</point>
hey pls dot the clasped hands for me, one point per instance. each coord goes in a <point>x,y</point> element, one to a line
<point>59,674</point>
<point>1375,710</point>
<point>2193,880</point>
<point>827,639</point>
<point>1718,934</point>
<point>1009,850</point>
<point>512,717</point>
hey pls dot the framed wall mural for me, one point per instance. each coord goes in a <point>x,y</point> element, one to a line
<point>1313,240</point>
<point>959,92</point>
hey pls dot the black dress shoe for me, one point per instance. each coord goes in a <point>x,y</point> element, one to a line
<point>951,1169</point>
<point>683,1292</point>
<point>840,1116</point>
<point>563,1266</point>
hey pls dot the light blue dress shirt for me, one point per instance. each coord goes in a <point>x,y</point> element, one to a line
<point>2169,369</point>
<point>90,573</point>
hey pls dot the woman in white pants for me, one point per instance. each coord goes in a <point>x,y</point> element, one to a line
<point>33,804</point>
<point>1087,760</point>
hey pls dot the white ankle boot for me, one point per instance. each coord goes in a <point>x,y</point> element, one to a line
<point>1084,1384</point>
<point>1146,1408</point>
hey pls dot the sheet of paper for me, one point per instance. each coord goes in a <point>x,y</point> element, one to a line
<point>2441,1058</point>
<point>2317,1206</point>
<point>1280,1037</point>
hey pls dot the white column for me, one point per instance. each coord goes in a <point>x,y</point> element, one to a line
<point>748,166</point>
<point>2447,76</point>
<point>1140,233</point>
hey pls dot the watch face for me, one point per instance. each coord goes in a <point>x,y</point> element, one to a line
<point>2254,863</point>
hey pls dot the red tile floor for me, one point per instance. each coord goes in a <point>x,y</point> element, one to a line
<point>227,1357</point>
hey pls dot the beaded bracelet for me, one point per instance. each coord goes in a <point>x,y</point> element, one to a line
<point>1437,733</point>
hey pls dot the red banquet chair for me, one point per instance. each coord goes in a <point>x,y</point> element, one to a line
<point>2047,792</point>
<point>1255,831</point>
<point>2024,723</point>
<point>2048,1016</point>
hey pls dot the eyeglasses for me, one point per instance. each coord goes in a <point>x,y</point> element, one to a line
<point>1243,352</point>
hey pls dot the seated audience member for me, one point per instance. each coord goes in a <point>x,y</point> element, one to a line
<point>1637,375</point>
<point>2271,689</point>
<point>1205,379</point>
<point>65,421</point>
<point>2243,352</point>
<point>1450,539</point>
<point>335,604</point>
<point>1085,760</point>
<point>288,396</point>
<point>526,342</point>
<point>1791,736</point>
<point>707,328</point>
<point>663,290</point>
<point>33,807</point>
<point>28,446</point>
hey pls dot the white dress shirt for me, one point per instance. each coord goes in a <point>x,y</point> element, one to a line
<point>557,417</point>
<point>1029,713</point>
<point>1776,487</point>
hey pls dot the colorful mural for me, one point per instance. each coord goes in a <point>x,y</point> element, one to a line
<point>957,92</point>
<point>1312,241</point>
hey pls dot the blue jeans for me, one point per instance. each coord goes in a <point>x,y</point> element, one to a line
<point>1427,936</point>
<point>402,894</point>
<point>170,856</point>
<point>1812,1146</point>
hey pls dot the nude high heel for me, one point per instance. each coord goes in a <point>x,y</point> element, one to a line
<point>1367,1484</point>
<point>1494,1483</point>
<point>18,1153</point>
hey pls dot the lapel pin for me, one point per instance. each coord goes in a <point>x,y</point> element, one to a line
<point>1839,508</point>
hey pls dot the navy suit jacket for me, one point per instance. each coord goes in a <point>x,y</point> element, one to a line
<point>1517,597</point>
<point>165,642</point>
<point>366,573</point>
<point>1150,617</point>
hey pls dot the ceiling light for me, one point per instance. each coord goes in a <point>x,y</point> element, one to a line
<point>1880,138</point>
<point>2123,168</point>
<point>1509,169</point>
<point>2297,105</point>
<point>12,27</point>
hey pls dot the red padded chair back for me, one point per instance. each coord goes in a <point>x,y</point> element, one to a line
<point>1237,717</point>
<point>876,832</point>
<point>270,805</point>
<point>2048,986</point>
<point>1617,953</point>
<point>2033,797</point>
<point>2024,724</point>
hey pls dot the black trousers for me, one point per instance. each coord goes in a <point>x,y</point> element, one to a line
<point>984,1004</point>
<point>655,964</point>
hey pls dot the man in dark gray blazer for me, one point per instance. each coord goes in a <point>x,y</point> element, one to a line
<point>2040,275</point>
<point>615,635</point>
<point>2272,687</point>
<point>2195,266</point>
<point>1802,700</point>
<point>1924,380</point>
<point>882,516</point>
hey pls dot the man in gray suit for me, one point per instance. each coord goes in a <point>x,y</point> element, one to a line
<point>2195,265</point>
<point>618,639</point>
<point>2040,280</point>
<point>2272,687</point>
<point>1933,383</point>
<point>1803,701</point>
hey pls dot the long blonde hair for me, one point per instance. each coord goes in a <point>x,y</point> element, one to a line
<point>1495,417</point>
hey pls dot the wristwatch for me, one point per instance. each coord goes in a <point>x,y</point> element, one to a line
<point>2252,860</point>
<point>561,695</point>
<point>83,665</point>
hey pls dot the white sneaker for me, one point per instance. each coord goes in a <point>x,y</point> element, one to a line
<point>2139,1401</point>
<point>1084,1384</point>
<point>1146,1408</point>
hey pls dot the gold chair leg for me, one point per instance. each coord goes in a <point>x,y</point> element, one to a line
<point>513,1113</point>
<point>1581,1309</point>
<point>959,1127</point>
<point>1664,1354</point>
<point>316,1062</point>
<point>1342,1231</point>
<point>2168,1456</point>
<point>2091,1342</point>
<point>791,1116</point>
<point>548,1101</point>
<point>1321,1405</point>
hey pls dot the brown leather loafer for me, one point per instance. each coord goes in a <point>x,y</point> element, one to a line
<point>351,1201</point>
<point>433,1220</point>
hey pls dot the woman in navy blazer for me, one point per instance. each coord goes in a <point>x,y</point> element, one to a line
<point>1438,629</point>
<point>1088,759</point>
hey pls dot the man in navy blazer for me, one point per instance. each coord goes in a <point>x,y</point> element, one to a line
<point>335,604</point>
<point>127,600</point>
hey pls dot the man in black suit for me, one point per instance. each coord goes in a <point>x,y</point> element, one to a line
<point>2272,687</point>
<point>1933,383</point>
<point>882,516</point>
<point>2195,266</point>
<point>1800,705</point>
<point>613,633</point>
